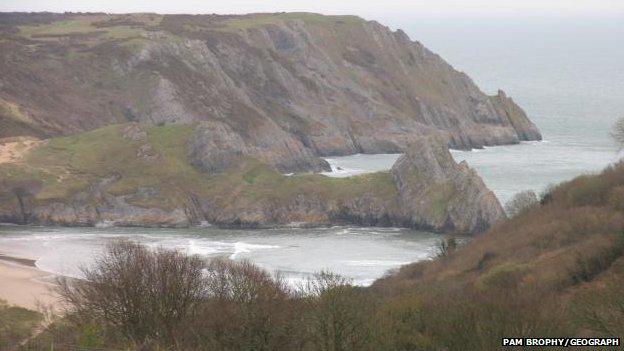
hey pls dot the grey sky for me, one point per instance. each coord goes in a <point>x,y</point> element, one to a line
<point>369,9</point>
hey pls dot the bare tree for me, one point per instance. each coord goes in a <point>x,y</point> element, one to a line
<point>617,133</point>
<point>247,309</point>
<point>447,246</point>
<point>337,313</point>
<point>144,295</point>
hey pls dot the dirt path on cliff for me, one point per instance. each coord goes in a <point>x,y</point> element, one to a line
<point>13,149</point>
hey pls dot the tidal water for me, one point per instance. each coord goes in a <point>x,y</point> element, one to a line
<point>362,254</point>
<point>568,75</point>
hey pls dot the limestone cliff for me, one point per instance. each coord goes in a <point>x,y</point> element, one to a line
<point>139,175</point>
<point>293,86</point>
<point>434,191</point>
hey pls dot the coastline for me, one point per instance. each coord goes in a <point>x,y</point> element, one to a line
<point>25,285</point>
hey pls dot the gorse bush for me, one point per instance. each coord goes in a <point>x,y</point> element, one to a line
<point>595,261</point>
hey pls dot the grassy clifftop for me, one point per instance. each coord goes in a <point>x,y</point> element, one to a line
<point>155,157</point>
<point>142,175</point>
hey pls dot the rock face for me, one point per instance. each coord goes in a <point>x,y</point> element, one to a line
<point>425,189</point>
<point>277,89</point>
<point>436,192</point>
<point>92,207</point>
<point>215,146</point>
<point>291,86</point>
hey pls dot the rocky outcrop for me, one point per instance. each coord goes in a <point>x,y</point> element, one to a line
<point>425,190</point>
<point>436,192</point>
<point>291,86</point>
<point>505,106</point>
<point>94,206</point>
<point>216,146</point>
<point>278,89</point>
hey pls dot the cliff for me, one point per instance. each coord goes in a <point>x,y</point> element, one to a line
<point>434,191</point>
<point>143,175</point>
<point>293,86</point>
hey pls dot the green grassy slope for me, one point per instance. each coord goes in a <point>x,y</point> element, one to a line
<point>64,166</point>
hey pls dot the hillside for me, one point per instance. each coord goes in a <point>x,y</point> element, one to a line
<point>293,86</point>
<point>143,175</point>
<point>554,270</point>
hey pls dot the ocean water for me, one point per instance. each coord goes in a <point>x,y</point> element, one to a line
<point>347,166</point>
<point>567,74</point>
<point>362,254</point>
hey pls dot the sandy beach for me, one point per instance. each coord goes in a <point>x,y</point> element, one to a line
<point>23,284</point>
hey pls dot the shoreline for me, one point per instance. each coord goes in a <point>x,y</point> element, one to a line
<point>25,285</point>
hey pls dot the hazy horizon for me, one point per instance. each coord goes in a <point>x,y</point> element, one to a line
<point>476,9</point>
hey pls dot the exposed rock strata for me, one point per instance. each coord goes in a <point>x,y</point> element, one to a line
<point>425,189</point>
<point>293,86</point>
<point>215,146</point>
<point>92,207</point>
<point>434,191</point>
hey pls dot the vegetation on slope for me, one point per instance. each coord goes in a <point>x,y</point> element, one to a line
<point>16,324</point>
<point>554,269</point>
<point>59,168</point>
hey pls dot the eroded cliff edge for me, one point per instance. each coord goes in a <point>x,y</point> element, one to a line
<point>309,85</point>
<point>85,180</point>
<point>435,191</point>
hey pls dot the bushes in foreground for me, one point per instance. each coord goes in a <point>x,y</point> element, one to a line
<point>16,323</point>
<point>139,299</point>
<point>554,269</point>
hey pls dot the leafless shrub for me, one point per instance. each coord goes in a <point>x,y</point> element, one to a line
<point>337,314</point>
<point>447,246</point>
<point>246,309</point>
<point>322,282</point>
<point>140,294</point>
<point>241,282</point>
<point>521,202</point>
<point>617,133</point>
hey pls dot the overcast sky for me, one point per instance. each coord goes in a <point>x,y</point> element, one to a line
<point>368,9</point>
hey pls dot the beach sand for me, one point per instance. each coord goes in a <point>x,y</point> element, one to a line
<point>23,284</point>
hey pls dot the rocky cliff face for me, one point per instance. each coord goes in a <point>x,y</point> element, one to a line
<point>425,189</point>
<point>290,86</point>
<point>215,146</point>
<point>195,118</point>
<point>434,191</point>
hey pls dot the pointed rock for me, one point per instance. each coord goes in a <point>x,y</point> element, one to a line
<point>437,193</point>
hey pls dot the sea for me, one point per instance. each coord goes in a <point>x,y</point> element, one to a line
<point>566,73</point>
